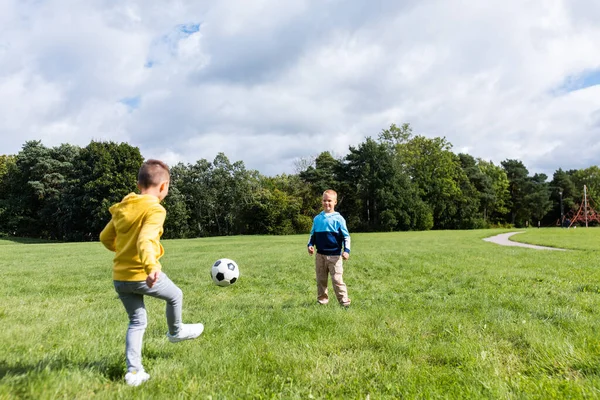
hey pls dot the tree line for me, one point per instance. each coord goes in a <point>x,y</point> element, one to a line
<point>397,181</point>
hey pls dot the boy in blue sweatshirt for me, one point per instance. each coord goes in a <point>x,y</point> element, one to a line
<point>331,238</point>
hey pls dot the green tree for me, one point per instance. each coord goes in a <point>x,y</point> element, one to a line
<point>104,173</point>
<point>192,181</point>
<point>441,181</point>
<point>215,194</point>
<point>21,203</point>
<point>7,162</point>
<point>54,176</point>
<point>518,180</point>
<point>480,190</point>
<point>274,211</point>
<point>176,224</point>
<point>538,197</point>
<point>323,176</point>
<point>590,177</point>
<point>468,214</point>
<point>491,186</point>
<point>381,195</point>
<point>395,135</point>
<point>231,187</point>
<point>32,189</point>
<point>300,202</point>
<point>563,190</point>
<point>495,203</point>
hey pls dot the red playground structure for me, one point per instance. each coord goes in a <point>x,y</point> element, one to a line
<point>586,212</point>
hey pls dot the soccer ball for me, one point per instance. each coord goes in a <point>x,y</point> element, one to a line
<point>224,272</point>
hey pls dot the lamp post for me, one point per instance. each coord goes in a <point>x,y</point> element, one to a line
<point>562,223</point>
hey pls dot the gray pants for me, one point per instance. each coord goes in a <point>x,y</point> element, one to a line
<point>132,295</point>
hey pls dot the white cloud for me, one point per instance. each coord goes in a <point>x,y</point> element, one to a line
<point>269,82</point>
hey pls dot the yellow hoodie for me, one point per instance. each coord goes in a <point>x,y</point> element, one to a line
<point>134,234</point>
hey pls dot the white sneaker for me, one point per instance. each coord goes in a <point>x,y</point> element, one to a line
<point>187,332</point>
<point>136,378</point>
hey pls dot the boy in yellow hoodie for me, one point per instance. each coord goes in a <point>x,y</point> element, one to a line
<point>133,233</point>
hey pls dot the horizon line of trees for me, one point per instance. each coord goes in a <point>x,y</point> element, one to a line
<point>395,182</point>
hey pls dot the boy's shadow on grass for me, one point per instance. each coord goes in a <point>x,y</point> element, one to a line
<point>111,369</point>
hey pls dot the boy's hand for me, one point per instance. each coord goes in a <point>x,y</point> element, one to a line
<point>311,250</point>
<point>152,278</point>
<point>345,255</point>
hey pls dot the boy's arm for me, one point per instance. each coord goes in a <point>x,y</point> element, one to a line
<point>148,239</point>
<point>108,236</point>
<point>311,240</point>
<point>346,235</point>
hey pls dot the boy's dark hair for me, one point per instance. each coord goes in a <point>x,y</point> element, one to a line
<point>152,173</point>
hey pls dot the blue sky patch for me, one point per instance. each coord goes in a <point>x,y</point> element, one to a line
<point>165,45</point>
<point>189,29</point>
<point>577,82</point>
<point>131,102</point>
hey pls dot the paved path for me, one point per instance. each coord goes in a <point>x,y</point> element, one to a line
<point>503,240</point>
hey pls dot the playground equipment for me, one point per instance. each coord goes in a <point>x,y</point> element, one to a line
<point>586,212</point>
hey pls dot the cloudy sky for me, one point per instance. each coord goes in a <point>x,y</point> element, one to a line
<point>271,82</point>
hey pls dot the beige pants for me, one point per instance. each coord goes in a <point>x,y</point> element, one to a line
<point>332,265</point>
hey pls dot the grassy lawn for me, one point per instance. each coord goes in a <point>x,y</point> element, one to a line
<point>434,315</point>
<point>575,239</point>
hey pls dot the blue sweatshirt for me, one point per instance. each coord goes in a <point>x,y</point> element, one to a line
<point>329,234</point>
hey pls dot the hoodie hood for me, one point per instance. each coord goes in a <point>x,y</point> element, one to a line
<point>130,210</point>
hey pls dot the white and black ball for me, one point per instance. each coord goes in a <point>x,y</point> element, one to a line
<point>224,272</point>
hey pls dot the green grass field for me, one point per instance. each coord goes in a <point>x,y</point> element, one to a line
<point>434,315</point>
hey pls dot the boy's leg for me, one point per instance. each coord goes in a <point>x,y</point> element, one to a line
<point>321,272</point>
<point>134,305</point>
<point>166,290</point>
<point>336,269</point>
